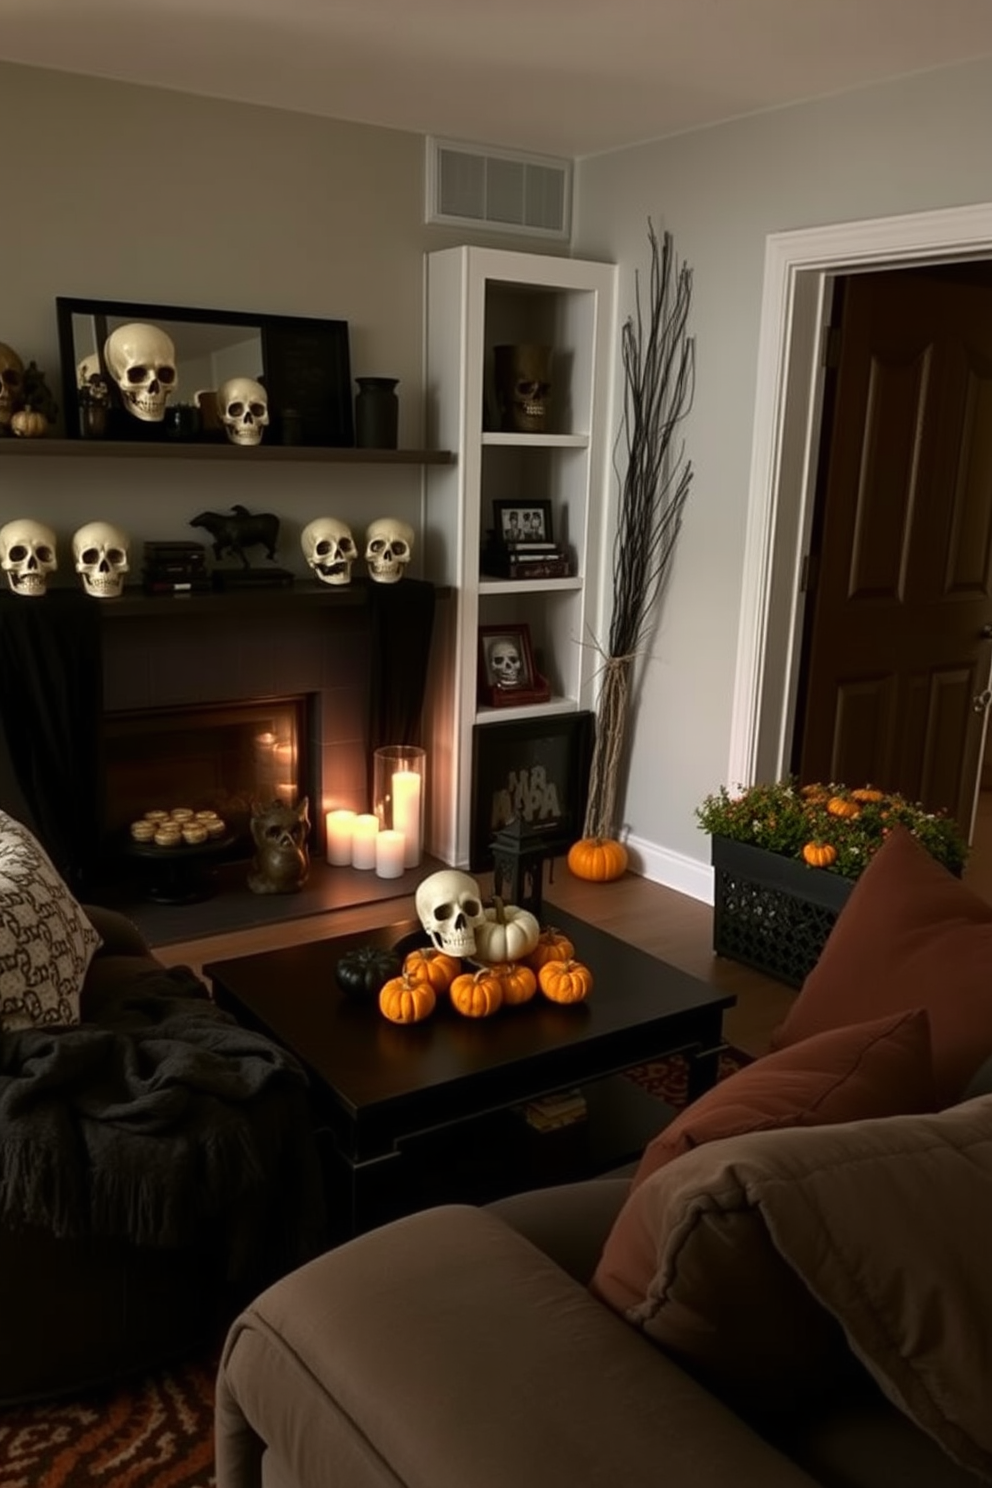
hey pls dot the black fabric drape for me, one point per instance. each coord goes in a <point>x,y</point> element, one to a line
<point>401,624</point>
<point>51,708</point>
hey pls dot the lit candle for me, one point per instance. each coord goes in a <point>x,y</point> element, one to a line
<point>364,832</point>
<point>389,854</point>
<point>406,813</point>
<point>339,825</point>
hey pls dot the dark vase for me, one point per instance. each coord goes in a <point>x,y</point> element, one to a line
<point>376,413</point>
<point>93,420</point>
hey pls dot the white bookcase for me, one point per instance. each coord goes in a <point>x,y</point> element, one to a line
<point>478,298</point>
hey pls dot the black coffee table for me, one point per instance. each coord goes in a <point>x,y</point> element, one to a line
<point>431,1112</point>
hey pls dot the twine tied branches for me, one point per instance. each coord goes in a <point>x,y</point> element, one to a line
<point>659,367</point>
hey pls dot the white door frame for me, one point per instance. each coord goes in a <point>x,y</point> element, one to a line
<point>798,269</point>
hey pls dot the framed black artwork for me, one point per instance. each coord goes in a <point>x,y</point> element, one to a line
<point>522,521</point>
<point>303,364</point>
<point>534,770</point>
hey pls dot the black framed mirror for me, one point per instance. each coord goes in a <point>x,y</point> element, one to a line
<point>303,364</point>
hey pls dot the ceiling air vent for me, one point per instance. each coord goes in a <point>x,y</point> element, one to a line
<point>475,186</point>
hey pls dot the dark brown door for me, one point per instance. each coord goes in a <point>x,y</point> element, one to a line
<point>895,656</point>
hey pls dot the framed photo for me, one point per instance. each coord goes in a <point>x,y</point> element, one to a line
<point>536,770</point>
<point>507,675</point>
<point>522,521</point>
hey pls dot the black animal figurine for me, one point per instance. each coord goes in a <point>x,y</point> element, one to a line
<point>281,862</point>
<point>239,531</point>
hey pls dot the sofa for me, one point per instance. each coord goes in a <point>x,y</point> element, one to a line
<point>791,1288</point>
<point>157,1162</point>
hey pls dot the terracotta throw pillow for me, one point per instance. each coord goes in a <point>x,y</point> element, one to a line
<point>910,936</point>
<point>881,1068</point>
<point>770,1248</point>
<point>46,941</point>
<point>849,1074</point>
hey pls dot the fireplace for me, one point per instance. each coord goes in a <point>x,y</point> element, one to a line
<point>222,757</point>
<point>111,696</point>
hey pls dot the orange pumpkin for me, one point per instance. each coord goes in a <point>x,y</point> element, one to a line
<point>867,794</point>
<point>403,1000</point>
<point>599,859</point>
<point>518,980</point>
<point>841,807</point>
<point>820,854</point>
<point>565,981</point>
<point>477,994</point>
<point>435,968</point>
<point>553,945</point>
<point>28,423</point>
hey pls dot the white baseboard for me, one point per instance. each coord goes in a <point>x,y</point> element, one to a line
<point>662,866</point>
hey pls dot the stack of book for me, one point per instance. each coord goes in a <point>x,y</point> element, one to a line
<point>175,568</point>
<point>524,560</point>
<point>552,1111</point>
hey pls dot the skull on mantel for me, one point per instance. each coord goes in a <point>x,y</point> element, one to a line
<point>100,551</point>
<point>27,555</point>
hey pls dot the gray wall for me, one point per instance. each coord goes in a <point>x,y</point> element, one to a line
<point>137,194</point>
<point>915,145</point>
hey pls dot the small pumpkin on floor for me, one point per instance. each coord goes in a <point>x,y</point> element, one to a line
<point>599,859</point>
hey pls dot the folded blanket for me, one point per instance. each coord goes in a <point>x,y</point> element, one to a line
<point>166,1124</point>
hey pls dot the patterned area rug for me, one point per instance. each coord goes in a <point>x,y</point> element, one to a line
<point>154,1432</point>
<point>157,1432</point>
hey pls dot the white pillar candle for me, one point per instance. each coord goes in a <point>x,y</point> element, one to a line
<point>389,847</point>
<point>339,825</point>
<point>406,813</point>
<point>364,833</point>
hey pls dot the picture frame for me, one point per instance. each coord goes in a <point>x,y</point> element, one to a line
<point>304,364</point>
<point>507,674</point>
<point>522,521</point>
<point>535,769</point>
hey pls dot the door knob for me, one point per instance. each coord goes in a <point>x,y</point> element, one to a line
<point>981,701</point>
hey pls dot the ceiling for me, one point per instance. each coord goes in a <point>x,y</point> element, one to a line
<point>560,77</point>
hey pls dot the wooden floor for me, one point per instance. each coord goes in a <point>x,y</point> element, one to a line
<point>669,925</point>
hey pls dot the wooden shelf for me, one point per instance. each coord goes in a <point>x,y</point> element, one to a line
<point>127,449</point>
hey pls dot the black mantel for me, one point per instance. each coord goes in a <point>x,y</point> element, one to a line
<point>53,659</point>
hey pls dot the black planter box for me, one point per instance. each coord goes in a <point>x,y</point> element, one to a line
<point>772,912</point>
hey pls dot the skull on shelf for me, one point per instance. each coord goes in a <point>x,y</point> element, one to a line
<point>388,549</point>
<point>100,552</point>
<point>449,906</point>
<point>506,663</point>
<point>11,383</point>
<point>523,387</point>
<point>142,361</point>
<point>329,549</point>
<point>27,555</point>
<point>243,404</point>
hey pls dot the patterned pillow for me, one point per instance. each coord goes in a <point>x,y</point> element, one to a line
<point>46,942</point>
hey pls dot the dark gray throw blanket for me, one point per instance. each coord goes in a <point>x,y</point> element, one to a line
<point>165,1123</point>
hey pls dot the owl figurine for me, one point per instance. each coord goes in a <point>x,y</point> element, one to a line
<point>282,861</point>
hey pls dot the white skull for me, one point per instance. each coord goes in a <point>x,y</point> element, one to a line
<point>388,549</point>
<point>142,362</point>
<point>27,555</point>
<point>329,549</point>
<point>244,409</point>
<point>11,383</point>
<point>506,663</point>
<point>89,374</point>
<point>100,551</point>
<point>449,906</point>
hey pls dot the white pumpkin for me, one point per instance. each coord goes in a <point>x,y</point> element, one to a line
<point>507,933</point>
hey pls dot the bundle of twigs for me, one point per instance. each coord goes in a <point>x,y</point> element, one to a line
<point>658,358</point>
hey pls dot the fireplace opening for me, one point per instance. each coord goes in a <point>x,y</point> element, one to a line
<point>218,757</point>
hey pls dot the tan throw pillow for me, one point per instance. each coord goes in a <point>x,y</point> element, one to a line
<point>881,1068</point>
<point>910,936</point>
<point>46,941</point>
<point>767,1245</point>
